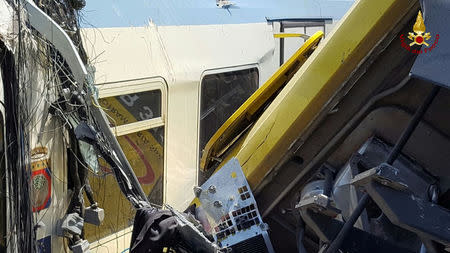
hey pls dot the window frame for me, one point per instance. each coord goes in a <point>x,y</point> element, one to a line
<point>199,101</point>
<point>112,89</point>
<point>135,86</point>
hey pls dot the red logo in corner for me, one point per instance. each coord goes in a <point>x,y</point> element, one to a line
<point>419,37</point>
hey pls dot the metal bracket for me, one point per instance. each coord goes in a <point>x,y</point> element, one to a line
<point>94,215</point>
<point>398,189</point>
<point>71,224</point>
<point>319,213</point>
<point>320,203</point>
<point>401,179</point>
<point>82,246</point>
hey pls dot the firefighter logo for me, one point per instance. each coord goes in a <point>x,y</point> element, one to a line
<point>419,36</point>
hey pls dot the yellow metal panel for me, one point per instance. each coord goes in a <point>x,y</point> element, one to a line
<point>315,83</point>
<point>248,112</point>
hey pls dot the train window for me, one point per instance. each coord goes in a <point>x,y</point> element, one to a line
<point>139,106</point>
<point>137,120</point>
<point>221,95</point>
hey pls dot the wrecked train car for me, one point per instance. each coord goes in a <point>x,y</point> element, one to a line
<point>344,148</point>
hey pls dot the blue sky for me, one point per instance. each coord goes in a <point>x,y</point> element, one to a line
<point>122,13</point>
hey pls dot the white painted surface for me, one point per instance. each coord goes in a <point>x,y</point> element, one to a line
<point>180,55</point>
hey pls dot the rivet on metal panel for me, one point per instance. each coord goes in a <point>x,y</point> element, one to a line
<point>212,189</point>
